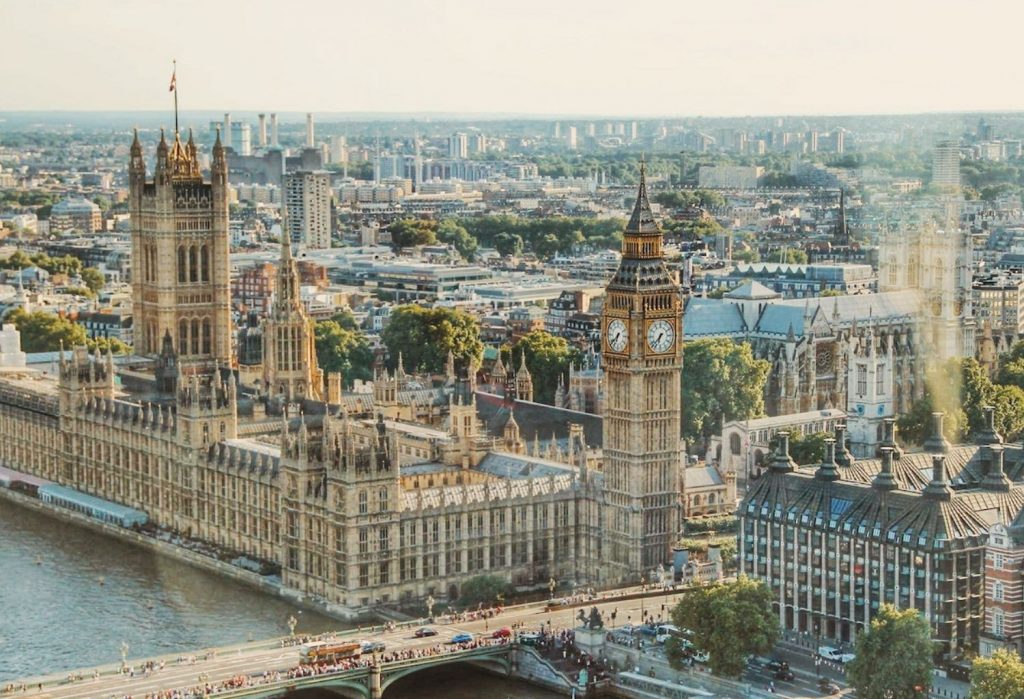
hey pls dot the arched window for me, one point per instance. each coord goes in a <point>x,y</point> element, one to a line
<point>183,337</point>
<point>182,265</point>
<point>204,253</point>
<point>193,264</point>
<point>734,444</point>
<point>207,339</point>
<point>195,336</point>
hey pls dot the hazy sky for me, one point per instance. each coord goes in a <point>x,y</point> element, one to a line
<point>659,57</point>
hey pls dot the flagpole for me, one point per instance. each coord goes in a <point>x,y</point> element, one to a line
<point>175,97</point>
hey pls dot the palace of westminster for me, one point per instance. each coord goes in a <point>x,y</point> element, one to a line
<point>406,492</point>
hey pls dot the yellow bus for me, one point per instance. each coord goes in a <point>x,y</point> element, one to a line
<point>328,652</point>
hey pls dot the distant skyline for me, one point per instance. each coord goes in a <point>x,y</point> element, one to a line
<point>575,57</point>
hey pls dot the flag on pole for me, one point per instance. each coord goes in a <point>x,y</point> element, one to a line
<point>174,80</point>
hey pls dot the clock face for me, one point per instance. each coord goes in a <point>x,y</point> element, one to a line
<point>617,335</point>
<point>660,336</point>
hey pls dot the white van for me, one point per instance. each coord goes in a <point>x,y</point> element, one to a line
<point>665,632</point>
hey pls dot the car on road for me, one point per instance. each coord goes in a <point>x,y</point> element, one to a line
<point>836,655</point>
<point>701,656</point>
<point>373,646</point>
<point>666,631</point>
<point>529,639</point>
<point>785,674</point>
<point>503,632</point>
<point>462,638</point>
<point>425,631</point>
<point>828,687</point>
<point>776,664</point>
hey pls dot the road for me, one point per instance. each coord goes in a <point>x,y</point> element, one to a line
<point>271,655</point>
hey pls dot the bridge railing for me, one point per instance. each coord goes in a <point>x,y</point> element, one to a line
<point>257,685</point>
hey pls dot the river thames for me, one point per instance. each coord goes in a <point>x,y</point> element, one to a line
<point>69,597</point>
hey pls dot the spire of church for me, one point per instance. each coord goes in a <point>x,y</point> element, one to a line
<point>642,220</point>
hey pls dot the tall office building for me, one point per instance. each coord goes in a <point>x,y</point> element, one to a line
<point>458,145</point>
<point>180,278</point>
<point>946,164</point>
<point>308,198</point>
<point>571,138</point>
<point>310,136</point>
<point>642,357</point>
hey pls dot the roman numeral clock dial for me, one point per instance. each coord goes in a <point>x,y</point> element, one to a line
<point>660,336</point>
<point>617,335</point>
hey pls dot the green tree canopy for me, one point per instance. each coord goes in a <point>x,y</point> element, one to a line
<point>111,344</point>
<point>44,332</point>
<point>722,381</point>
<point>93,279</point>
<point>341,347</point>
<point>729,621</point>
<point>807,448</point>
<point>998,677</point>
<point>450,232</point>
<point>409,232</point>
<point>547,357</point>
<point>894,656</point>
<point>484,590</point>
<point>424,336</point>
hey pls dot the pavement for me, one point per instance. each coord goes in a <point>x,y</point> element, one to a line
<point>280,655</point>
<point>218,665</point>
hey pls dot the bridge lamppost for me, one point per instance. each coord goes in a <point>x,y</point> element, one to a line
<point>430,606</point>
<point>292,623</point>
<point>643,589</point>
<point>124,654</point>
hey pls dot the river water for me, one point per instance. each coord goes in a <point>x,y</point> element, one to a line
<point>69,596</point>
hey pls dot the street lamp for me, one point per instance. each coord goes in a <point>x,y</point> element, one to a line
<point>124,654</point>
<point>292,623</point>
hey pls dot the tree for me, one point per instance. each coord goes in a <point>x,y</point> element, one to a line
<point>93,279</point>
<point>547,358</point>
<point>809,448</point>
<point>998,677</point>
<point>424,336</point>
<point>46,332</point>
<point>722,381</point>
<point>111,344</point>
<point>893,657</point>
<point>729,621</point>
<point>484,589</point>
<point>749,255</point>
<point>790,256</point>
<point>450,232</point>
<point>508,244</point>
<point>831,292</point>
<point>342,348</point>
<point>410,232</point>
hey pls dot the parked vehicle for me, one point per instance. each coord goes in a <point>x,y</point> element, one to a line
<point>835,654</point>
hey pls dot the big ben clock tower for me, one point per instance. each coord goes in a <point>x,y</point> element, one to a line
<point>641,328</point>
